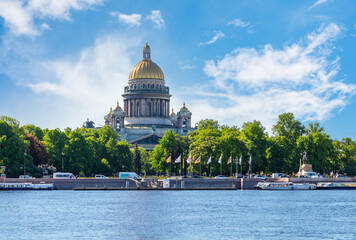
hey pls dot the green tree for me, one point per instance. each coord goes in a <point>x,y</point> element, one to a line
<point>158,159</point>
<point>78,157</point>
<point>314,128</point>
<point>137,159</point>
<point>208,123</point>
<point>346,156</point>
<point>230,145</point>
<point>34,130</point>
<point>55,141</point>
<point>319,148</point>
<point>287,130</point>
<point>205,143</point>
<point>38,150</point>
<point>254,137</point>
<point>12,149</point>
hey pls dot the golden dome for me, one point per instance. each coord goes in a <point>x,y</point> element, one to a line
<point>184,108</point>
<point>109,112</point>
<point>172,113</point>
<point>117,108</point>
<point>146,69</point>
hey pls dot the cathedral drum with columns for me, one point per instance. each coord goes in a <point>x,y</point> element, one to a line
<point>146,115</point>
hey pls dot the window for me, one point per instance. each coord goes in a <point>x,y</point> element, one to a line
<point>143,85</point>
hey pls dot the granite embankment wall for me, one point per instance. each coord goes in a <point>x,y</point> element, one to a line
<point>201,184</point>
<point>174,183</point>
<point>69,184</point>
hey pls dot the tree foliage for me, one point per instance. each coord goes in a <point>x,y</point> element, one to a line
<point>88,151</point>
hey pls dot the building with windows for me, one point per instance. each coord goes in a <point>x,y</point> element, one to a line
<point>145,115</point>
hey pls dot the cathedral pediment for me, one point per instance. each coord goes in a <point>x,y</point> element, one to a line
<point>152,138</point>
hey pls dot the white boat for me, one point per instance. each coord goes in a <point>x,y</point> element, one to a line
<point>285,186</point>
<point>336,185</point>
<point>25,186</point>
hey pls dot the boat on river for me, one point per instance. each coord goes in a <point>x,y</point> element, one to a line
<point>337,186</point>
<point>284,186</point>
<point>25,186</point>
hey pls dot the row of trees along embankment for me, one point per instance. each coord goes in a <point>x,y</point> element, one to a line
<point>87,151</point>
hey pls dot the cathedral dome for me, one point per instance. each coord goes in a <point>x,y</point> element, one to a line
<point>118,112</point>
<point>172,114</point>
<point>184,108</point>
<point>146,68</point>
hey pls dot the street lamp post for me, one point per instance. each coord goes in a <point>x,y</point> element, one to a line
<point>24,163</point>
<point>62,161</point>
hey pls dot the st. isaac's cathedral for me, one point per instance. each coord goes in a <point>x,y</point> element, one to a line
<point>146,117</point>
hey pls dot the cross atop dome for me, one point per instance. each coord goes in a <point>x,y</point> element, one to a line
<point>147,52</point>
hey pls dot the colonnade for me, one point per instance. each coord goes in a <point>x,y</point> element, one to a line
<point>146,107</point>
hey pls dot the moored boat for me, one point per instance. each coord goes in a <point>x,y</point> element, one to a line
<point>285,186</point>
<point>337,186</point>
<point>25,186</point>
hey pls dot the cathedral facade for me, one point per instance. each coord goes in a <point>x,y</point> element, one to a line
<point>145,116</point>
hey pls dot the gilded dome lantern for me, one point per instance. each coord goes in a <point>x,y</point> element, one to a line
<point>146,69</point>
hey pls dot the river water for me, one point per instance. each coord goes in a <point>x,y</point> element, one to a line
<point>241,214</point>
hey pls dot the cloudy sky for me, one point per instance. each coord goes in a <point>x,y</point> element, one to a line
<point>62,62</point>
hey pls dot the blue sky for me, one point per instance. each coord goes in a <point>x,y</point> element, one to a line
<point>234,61</point>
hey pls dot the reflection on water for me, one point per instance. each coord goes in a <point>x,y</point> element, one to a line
<point>178,215</point>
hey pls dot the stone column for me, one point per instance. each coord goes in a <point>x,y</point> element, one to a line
<point>151,107</point>
<point>143,107</point>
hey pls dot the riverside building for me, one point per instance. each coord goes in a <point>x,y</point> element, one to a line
<point>145,115</point>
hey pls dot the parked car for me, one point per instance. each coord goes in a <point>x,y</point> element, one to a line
<point>340,176</point>
<point>322,176</point>
<point>25,176</point>
<point>196,176</point>
<point>279,175</point>
<point>63,175</point>
<point>311,174</point>
<point>221,177</point>
<point>261,177</point>
<point>99,176</point>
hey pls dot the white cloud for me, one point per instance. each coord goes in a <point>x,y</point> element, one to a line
<point>19,15</point>
<point>187,66</point>
<point>239,23</point>
<point>317,3</point>
<point>218,35</point>
<point>251,84</point>
<point>45,26</point>
<point>132,20</point>
<point>88,85</point>
<point>156,17</point>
